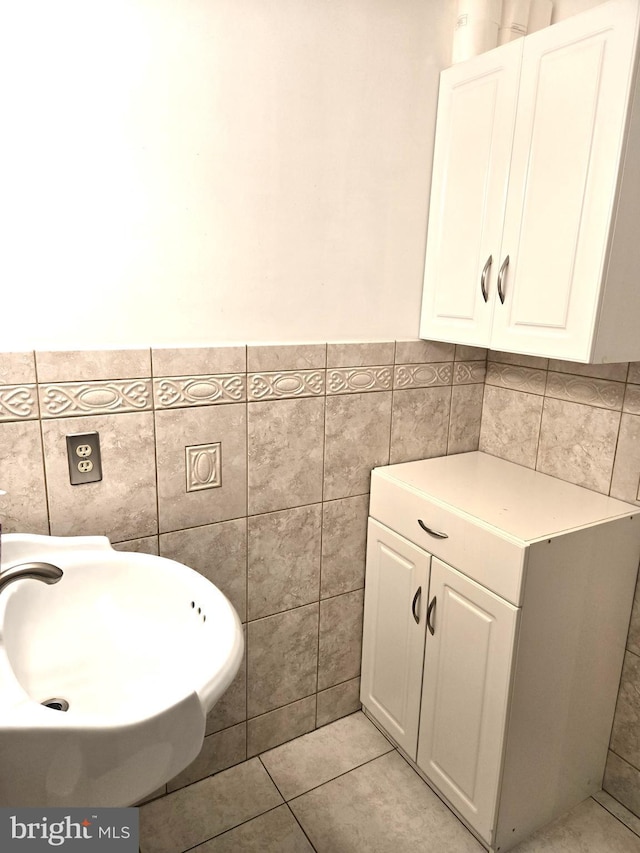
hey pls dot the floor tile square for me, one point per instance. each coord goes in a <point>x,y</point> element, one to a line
<point>207,808</point>
<point>587,828</point>
<point>381,807</point>
<point>322,755</point>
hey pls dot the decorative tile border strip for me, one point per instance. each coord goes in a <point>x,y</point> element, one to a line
<point>469,372</point>
<point>203,463</point>
<point>423,375</point>
<point>65,399</point>
<point>286,383</point>
<point>583,389</point>
<point>180,391</point>
<point>516,378</point>
<point>352,380</point>
<point>632,400</point>
<point>18,403</point>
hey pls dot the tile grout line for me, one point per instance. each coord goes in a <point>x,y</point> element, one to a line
<point>322,501</point>
<point>626,760</point>
<point>230,829</point>
<point>450,415</point>
<point>301,699</point>
<point>615,449</point>
<point>393,399</point>
<point>339,775</point>
<point>544,397</point>
<point>155,449</point>
<point>253,515</point>
<point>303,830</point>
<point>484,388</point>
<point>246,560</point>
<point>264,767</point>
<point>626,652</point>
<point>284,801</point>
<point>345,773</point>
<point>42,446</point>
<point>613,814</point>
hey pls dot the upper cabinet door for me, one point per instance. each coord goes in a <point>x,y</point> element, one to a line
<point>567,149</point>
<point>474,134</point>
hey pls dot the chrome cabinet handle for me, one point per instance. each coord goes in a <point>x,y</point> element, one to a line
<point>483,277</point>
<point>431,611</point>
<point>501,274</point>
<point>415,604</point>
<point>437,533</point>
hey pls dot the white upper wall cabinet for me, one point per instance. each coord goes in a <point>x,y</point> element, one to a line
<point>535,201</point>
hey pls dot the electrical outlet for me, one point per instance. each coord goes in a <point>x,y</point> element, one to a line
<point>83,469</point>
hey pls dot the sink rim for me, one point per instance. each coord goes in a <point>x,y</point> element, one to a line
<point>66,552</point>
<point>86,757</point>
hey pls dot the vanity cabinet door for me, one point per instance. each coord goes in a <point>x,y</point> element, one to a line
<point>467,673</point>
<point>474,131</point>
<point>569,135</point>
<point>396,590</point>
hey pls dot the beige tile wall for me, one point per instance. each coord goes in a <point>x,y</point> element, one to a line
<point>298,429</point>
<point>580,423</point>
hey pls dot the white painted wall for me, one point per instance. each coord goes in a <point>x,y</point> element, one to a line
<point>195,171</point>
<point>566,8</point>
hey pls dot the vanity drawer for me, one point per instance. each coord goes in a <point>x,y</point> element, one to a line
<point>475,549</point>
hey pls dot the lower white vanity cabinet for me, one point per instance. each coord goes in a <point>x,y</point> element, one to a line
<point>497,604</point>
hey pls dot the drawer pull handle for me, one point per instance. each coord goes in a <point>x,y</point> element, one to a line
<point>483,278</point>
<point>432,610</point>
<point>431,532</point>
<point>415,604</point>
<point>501,275</point>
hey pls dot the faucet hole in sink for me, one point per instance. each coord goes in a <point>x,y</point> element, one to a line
<point>56,704</point>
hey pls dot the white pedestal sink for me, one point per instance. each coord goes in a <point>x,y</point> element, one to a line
<point>140,647</point>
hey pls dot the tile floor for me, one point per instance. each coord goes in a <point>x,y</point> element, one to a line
<point>345,789</point>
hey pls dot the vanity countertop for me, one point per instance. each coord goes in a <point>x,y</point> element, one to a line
<point>525,505</point>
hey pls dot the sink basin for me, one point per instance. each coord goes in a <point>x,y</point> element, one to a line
<point>140,647</point>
